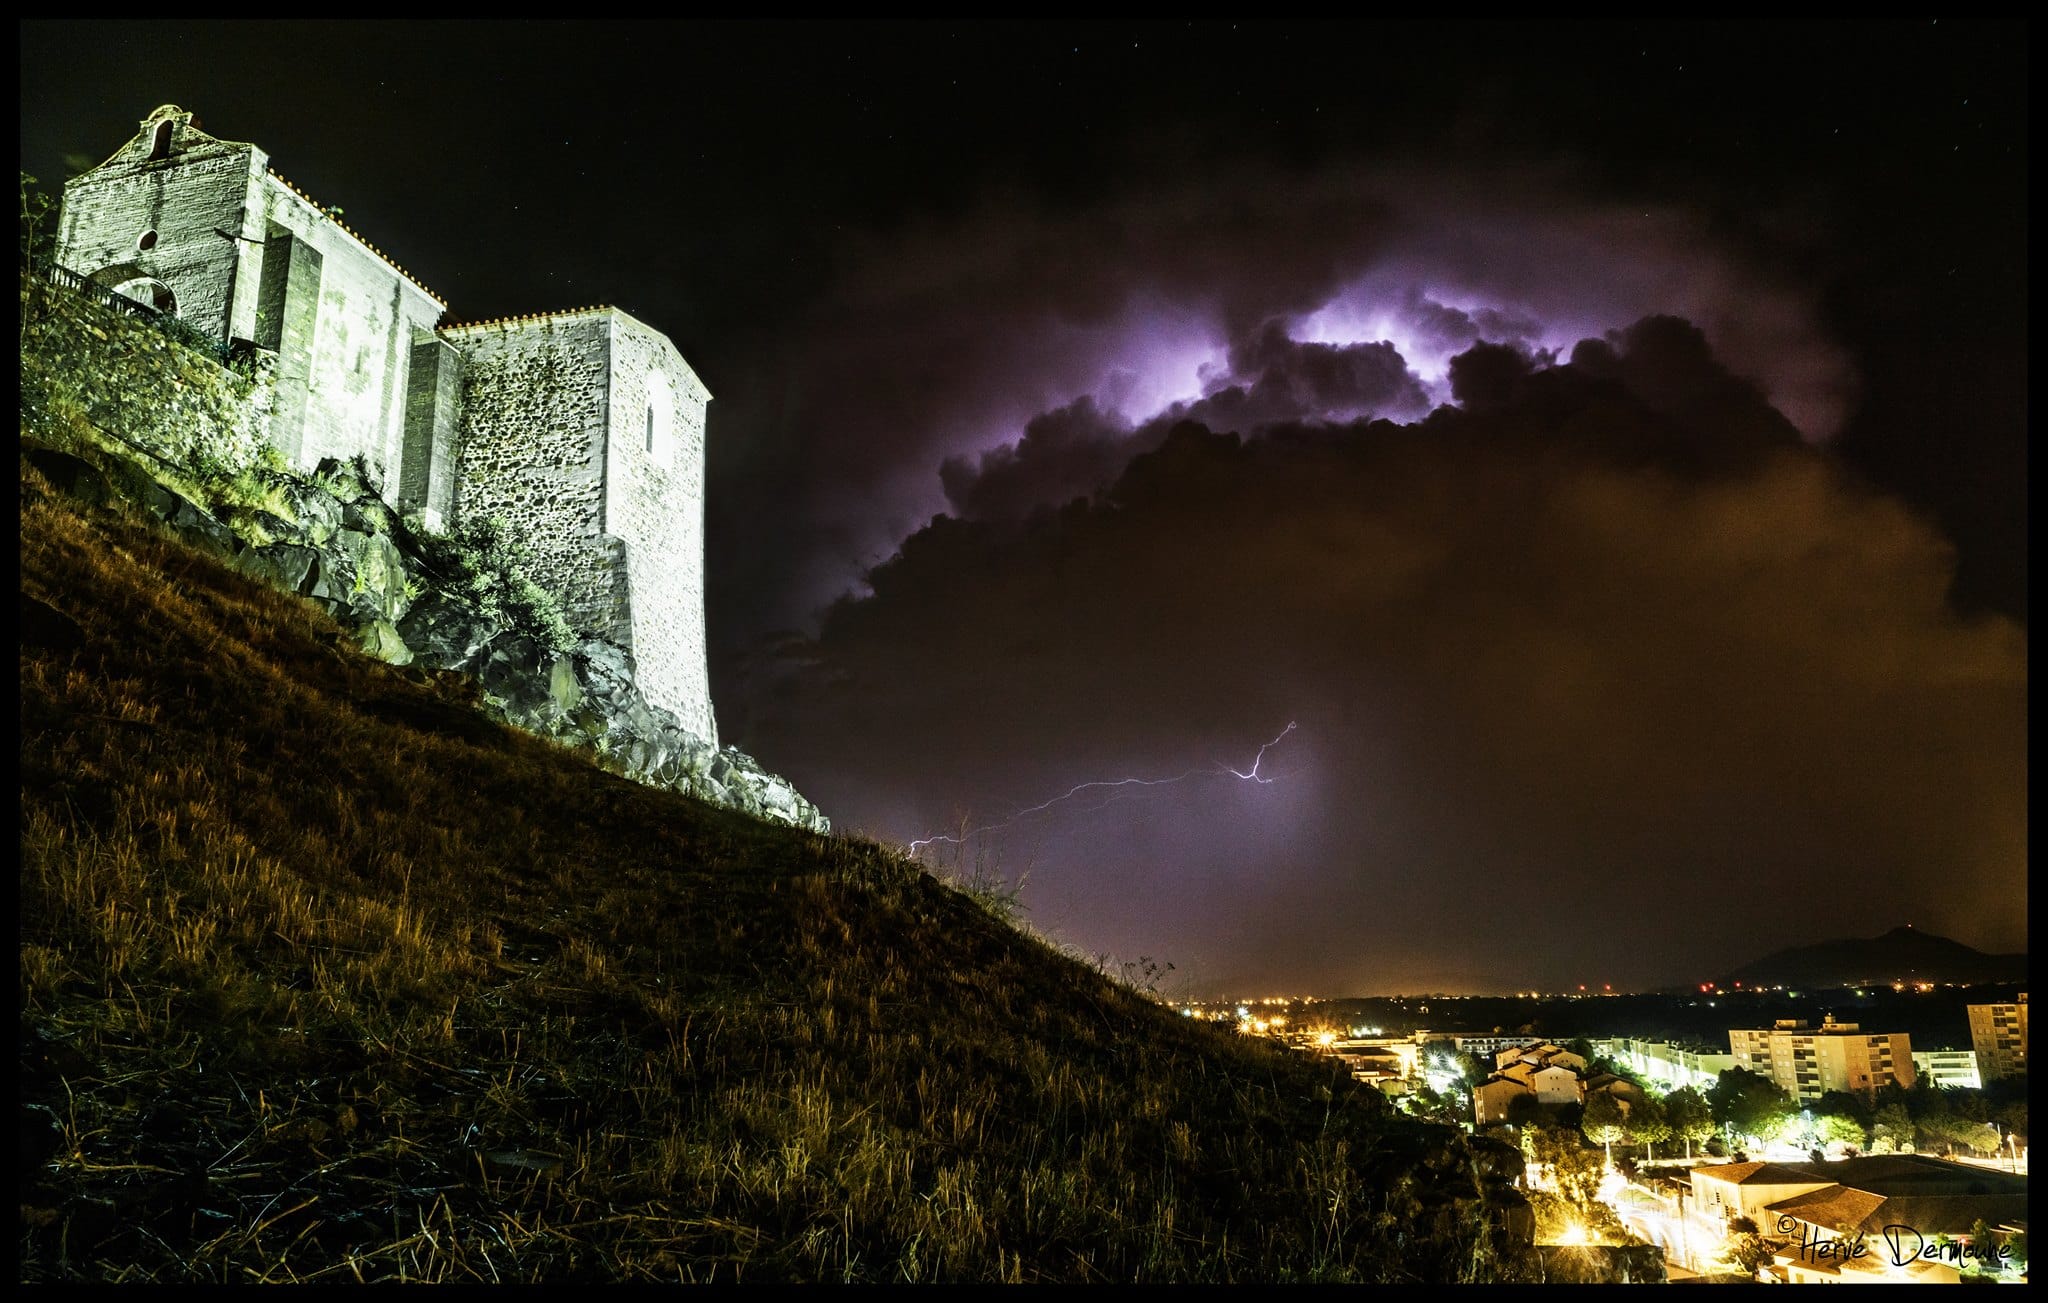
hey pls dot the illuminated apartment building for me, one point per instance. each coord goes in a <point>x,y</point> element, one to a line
<point>1999,1033</point>
<point>1808,1062</point>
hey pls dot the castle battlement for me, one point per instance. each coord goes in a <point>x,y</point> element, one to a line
<point>328,214</point>
<point>454,327</point>
<point>583,429</point>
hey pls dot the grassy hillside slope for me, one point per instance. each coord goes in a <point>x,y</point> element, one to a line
<point>324,977</point>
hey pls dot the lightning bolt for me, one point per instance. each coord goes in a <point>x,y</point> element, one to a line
<point>1260,758</point>
<point>1117,789</point>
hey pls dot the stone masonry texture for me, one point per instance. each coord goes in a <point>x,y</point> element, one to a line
<point>584,430</point>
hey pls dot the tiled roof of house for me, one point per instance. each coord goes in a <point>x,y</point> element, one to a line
<point>1760,1174</point>
<point>1925,1215</point>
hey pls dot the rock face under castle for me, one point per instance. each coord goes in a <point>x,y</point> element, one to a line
<point>584,430</point>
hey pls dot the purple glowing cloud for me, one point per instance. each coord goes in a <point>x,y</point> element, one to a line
<point>1026,357</point>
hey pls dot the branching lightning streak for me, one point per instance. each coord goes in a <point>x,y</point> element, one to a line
<point>1118,788</point>
<point>1260,758</point>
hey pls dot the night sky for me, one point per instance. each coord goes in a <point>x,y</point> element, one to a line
<point>1605,444</point>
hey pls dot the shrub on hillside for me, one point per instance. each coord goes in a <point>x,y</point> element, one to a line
<point>486,564</point>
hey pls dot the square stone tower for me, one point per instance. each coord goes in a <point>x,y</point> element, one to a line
<point>585,431</point>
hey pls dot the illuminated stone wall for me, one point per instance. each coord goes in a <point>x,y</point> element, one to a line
<point>365,318</point>
<point>126,377</point>
<point>534,402</point>
<point>155,210</point>
<point>583,430</point>
<point>232,249</point>
<point>655,507</point>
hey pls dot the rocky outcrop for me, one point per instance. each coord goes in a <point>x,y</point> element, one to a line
<point>342,548</point>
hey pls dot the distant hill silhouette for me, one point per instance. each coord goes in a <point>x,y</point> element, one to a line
<point>1902,954</point>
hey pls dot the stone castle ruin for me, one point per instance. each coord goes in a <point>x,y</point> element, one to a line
<point>584,430</point>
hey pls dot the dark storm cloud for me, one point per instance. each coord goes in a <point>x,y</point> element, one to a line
<point>1454,329</point>
<point>1578,669</point>
<point>1292,380</point>
<point>1246,296</point>
<point>1268,378</point>
<point>1066,453</point>
<point>1711,416</point>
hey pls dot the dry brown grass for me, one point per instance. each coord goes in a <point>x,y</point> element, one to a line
<point>323,979</point>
